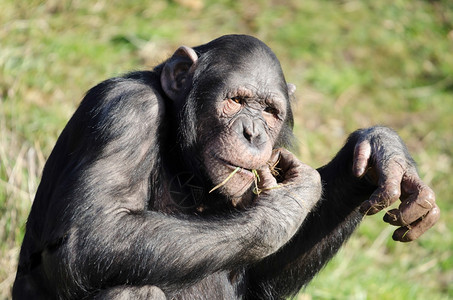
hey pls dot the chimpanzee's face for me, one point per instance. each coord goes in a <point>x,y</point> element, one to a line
<point>241,116</point>
<point>232,100</point>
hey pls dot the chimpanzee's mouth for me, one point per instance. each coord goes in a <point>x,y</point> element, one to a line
<point>236,168</point>
<point>233,166</point>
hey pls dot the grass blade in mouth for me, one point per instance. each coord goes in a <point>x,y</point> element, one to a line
<point>256,190</point>
<point>226,179</point>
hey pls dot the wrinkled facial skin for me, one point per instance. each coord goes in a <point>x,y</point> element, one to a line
<point>248,120</point>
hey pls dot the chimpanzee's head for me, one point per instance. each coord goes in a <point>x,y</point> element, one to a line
<point>233,105</point>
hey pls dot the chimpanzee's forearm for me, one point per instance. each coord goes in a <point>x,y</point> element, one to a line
<point>321,235</point>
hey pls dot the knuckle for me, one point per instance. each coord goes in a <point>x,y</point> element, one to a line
<point>430,195</point>
<point>285,154</point>
<point>426,199</point>
<point>400,161</point>
<point>312,175</point>
<point>393,192</point>
<point>361,156</point>
<point>435,213</point>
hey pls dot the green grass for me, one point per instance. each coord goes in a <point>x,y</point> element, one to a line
<point>355,63</point>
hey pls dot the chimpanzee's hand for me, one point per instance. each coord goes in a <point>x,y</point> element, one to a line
<point>382,158</point>
<point>286,175</point>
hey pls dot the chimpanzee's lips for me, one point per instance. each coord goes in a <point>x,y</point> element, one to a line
<point>234,167</point>
<point>232,179</point>
<point>244,173</point>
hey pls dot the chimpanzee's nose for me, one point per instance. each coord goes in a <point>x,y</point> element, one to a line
<point>252,131</point>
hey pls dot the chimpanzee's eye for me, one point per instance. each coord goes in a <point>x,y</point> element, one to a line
<point>271,110</point>
<point>238,100</point>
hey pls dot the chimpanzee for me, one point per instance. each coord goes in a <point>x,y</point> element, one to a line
<point>176,183</point>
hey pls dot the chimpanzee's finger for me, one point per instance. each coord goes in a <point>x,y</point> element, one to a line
<point>284,159</point>
<point>287,165</point>
<point>383,197</point>
<point>266,179</point>
<point>416,205</point>
<point>416,229</point>
<point>291,170</point>
<point>389,189</point>
<point>362,153</point>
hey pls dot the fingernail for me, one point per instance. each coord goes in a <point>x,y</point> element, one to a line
<point>395,237</point>
<point>390,218</point>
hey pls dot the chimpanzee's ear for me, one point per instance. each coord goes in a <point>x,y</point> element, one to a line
<point>291,89</point>
<point>177,72</point>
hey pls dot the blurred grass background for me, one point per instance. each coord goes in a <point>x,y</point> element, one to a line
<point>355,63</point>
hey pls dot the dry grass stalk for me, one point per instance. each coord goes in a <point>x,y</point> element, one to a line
<point>226,179</point>
<point>272,167</point>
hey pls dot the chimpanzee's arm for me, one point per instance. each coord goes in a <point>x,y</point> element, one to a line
<point>98,232</point>
<point>374,164</point>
